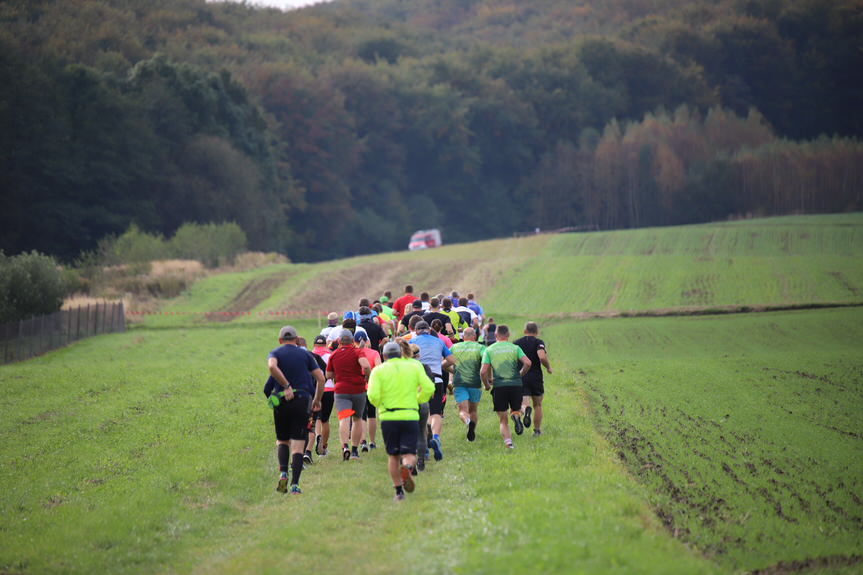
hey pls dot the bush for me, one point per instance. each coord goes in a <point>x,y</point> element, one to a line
<point>136,247</point>
<point>30,284</point>
<point>210,244</point>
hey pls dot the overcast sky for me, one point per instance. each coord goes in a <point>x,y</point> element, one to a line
<point>284,4</point>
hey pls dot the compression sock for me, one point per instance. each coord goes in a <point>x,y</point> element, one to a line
<point>296,468</point>
<point>284,452</point>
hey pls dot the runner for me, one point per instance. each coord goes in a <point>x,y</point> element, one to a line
<point>404,301</point>
<point>488,332</point>
<point>310,436</point>
<point>349,369</point>
<point>398,387</point>
<point>467,384</point>
<point>376,334</point>
<point>413,351</point>
<point>416,310</point>
<point>435,312</point>
<point>322,425</point>
<point>426,303</point>
<point>456,320</point>
<point>533,391</point>
<point>332,324</point>
<point>296,384</point>
<point>434,354</point>
<point>466,314</point>
<point>370,422</point>
<point>500,370</point>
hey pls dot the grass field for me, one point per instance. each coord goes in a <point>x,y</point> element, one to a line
<point>709,444</point>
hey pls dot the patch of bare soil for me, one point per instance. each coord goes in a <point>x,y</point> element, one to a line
<point>253,294</point>
<point>814,564</point>
<point>342,289</point>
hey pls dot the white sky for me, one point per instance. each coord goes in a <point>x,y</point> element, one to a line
<point>283,4</point>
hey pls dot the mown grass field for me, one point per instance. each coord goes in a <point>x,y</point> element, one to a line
<point>710,444</point>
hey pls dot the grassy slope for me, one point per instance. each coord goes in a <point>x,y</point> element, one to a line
<point>154,452</point>
<point>778,261</point>
<point>747,428</point>
<point>142,478</point>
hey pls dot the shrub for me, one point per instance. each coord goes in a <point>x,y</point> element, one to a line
<point>211,244</point>
<point>135,247</point>
<point>30,284</point>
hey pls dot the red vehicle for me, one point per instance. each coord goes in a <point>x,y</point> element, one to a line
<point>424,239</point>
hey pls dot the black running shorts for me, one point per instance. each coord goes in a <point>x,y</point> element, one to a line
<point>400,437</point>
<point>438,400</point>
<point>533,385</point>
<point>506,398</point>
<point>292,419</point>
<point>327,401</point>
<point>371,412</point>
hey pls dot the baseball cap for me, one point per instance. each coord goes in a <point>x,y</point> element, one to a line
<point>392,349</point>
<point>417,303</point>
<point>288,332</point>
<point>384,299</point>
<point>332,316</point>
<point>361,336</point>
<point>423,325</point>
<point>320,340</point>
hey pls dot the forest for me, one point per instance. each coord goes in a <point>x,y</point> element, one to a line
<point>340,128</point>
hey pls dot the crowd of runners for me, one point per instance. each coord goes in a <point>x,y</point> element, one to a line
<point>397,362</point>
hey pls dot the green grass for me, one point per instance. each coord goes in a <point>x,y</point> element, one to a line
<point>153,451</point>
<point>779,262</point>
<point>746,428</point>
<point>711,444</point>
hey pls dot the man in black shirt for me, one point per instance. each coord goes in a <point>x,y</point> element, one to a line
<point>377,336</point>
<point>296,384</point>
<point>534,349</point>
<point>434,313</point>
<point>417,307</point>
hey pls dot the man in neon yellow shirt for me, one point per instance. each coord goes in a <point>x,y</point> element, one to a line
<point>396,388</point>
<point>503,365</point>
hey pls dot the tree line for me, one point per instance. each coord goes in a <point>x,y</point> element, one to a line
<point>360,119</point>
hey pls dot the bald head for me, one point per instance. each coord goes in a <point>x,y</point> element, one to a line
<point>469,334</point>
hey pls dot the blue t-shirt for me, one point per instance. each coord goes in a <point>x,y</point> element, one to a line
<point>297,364</point>
<point>432,350</point>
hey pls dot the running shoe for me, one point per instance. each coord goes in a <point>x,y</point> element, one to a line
<point>536,433</point>
<point>510,446</point>
<point>438,452</point>
<point>471,430</point>
<point>407,480</point>
<point>325,452</point>
<point>527,411</point>
<point>399,497</point>
<point>519,427</point>
<point>307,458</point>
<point>355,455</point>
<point>372,445</point>
<point>318,450</point>
<point>282,487</point>
<point>346,454</point>
<point>364,446</point>
<point>295,490</point>
<point>421,465</point>
<point>414,471</point>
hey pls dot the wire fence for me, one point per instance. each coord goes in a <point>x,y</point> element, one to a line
<point>20,340</point>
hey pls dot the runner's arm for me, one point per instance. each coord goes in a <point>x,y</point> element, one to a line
<point>319,389</point>
<point>280,378</point>
<point>486,374</point>
<point>525,365</point>
<point>367,367</point>
<point>543,359</point>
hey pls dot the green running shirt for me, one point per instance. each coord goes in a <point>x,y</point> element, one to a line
<point>504,358</point>
<point>468,355</point>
